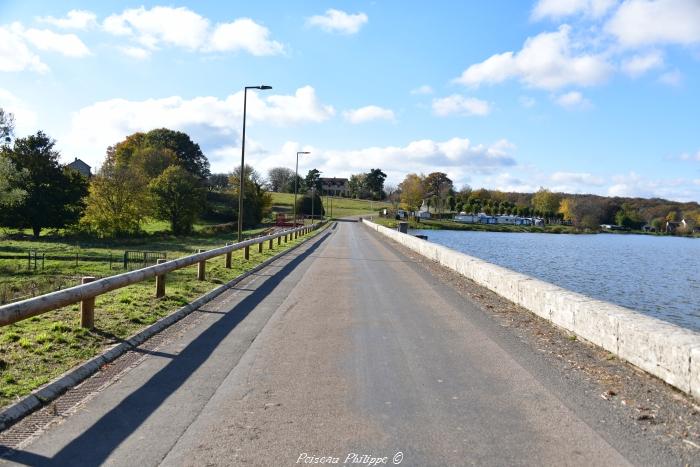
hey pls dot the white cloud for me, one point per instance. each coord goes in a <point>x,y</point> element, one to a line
<point>457,104</point>
<point>25,118</point>
<point>138,53</point>
<point>368,114</point>
<point>422,90</point>
<point>212,122</point>
<point>637,65</point>
<point>643,22</point>
<point>457,157</point>
<point>69,45</point>
<point>75,19</point>
<point>246,35</point>
<point>572,100</point>
<point>181,27</point>
<point>14,53</point>
<point>690,157</point>
<point>178,27</point>
<point>527,101</point>
<point>671,78</point>
<point>577,178</point>
<point>557,9</point>
<point>338,21</point>
<point>548,61</point>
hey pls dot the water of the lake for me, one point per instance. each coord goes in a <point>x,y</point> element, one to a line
<point>659,276</point>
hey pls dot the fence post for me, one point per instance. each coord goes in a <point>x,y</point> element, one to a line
<point>160,280</point>
<point>201,267</point>
<point>228,258</point>
<point>246,253</point>
<point>87,308</point>
<point>279,240</point>
<point>260,247</point>
<point>270,246</point>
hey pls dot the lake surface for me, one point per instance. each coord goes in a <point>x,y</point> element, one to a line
<point>658,276</point>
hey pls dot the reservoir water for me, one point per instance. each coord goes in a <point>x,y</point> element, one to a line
<point>658,276</point>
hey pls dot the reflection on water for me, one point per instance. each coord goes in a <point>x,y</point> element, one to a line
<point>659,276</point>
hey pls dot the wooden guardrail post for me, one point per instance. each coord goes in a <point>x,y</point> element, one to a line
<point>279,240</point>
<point>201,268</point>
<point>270,245</point>
<point>87,308</point>
<point>160,280</point>
<point>227,263</point>
<point>260,247</point>
<point>246,253</point>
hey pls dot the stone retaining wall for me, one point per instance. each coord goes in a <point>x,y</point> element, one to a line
<point>660,348</point>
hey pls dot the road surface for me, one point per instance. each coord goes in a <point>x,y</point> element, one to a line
<point>344,346</point>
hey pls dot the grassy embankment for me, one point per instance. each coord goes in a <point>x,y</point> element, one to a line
<point>342,207</point>
<point>34,351</point>
<point>444,224</point>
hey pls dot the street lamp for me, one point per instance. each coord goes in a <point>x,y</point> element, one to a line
<point>242,174</point>
<point>296,179</point>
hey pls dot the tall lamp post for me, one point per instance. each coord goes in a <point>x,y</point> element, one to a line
<point>296,180</point>
<point>242,174</point>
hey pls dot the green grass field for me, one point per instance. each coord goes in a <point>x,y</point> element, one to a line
<point>34,351</point>
<point>341,207</point>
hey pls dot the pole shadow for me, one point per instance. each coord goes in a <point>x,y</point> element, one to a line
<point>95,445</point>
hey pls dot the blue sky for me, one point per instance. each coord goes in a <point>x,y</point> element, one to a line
<point>595,96</point>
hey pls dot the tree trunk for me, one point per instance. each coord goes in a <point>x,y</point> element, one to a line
<point>36,230</point>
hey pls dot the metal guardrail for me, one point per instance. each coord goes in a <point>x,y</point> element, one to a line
<point>86,292</point>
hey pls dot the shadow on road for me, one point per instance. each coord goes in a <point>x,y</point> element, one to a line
<point>94,446</point>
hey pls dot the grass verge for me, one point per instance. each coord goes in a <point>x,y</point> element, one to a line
<point>36,350</point>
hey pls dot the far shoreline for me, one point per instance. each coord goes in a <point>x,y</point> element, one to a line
<point>444,224</point>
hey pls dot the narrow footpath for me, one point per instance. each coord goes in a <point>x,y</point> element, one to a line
<point>343,346</point>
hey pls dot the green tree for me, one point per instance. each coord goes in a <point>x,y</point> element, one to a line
<point>304,205</point>
<point>188,153</point>
<point>313,179</point>
<point>256,200</point>
<point>178,197</point>
<point>54,194</point>
<point>117,202</point>
<point>374,181</point>
<point>357,186</point>
<point>546,202</point>
<point>7,126</point>
<point>218,182</point>
<point>412,191</point>
<point>279,178</point>
<point>11,181</point>
<point>629,217</point>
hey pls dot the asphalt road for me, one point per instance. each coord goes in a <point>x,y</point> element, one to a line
<point>342,347</point>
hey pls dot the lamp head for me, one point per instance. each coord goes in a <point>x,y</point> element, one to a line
<point>264,87</point>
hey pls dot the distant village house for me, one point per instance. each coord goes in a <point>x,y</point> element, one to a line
<point>334,186</point>
<point>80,167</point>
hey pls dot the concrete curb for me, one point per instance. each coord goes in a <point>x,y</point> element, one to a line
<point>50,391</point>
<point>662,349</point>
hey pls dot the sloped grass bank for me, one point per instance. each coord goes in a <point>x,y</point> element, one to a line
<point>36,350</point>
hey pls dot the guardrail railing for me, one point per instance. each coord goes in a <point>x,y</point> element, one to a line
<point>86,292</point>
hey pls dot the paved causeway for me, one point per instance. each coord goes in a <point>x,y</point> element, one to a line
<point>342,346</point>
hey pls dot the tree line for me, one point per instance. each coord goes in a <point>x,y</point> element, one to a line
<point>369,185</point>
<point>161,174</point>
<point>583,211</point>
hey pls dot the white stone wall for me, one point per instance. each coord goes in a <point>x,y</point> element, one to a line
<point>660,348</point>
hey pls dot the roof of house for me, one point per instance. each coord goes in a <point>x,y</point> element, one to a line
<point>78,163</point>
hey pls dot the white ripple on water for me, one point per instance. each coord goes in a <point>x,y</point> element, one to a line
<point>659,276</point>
